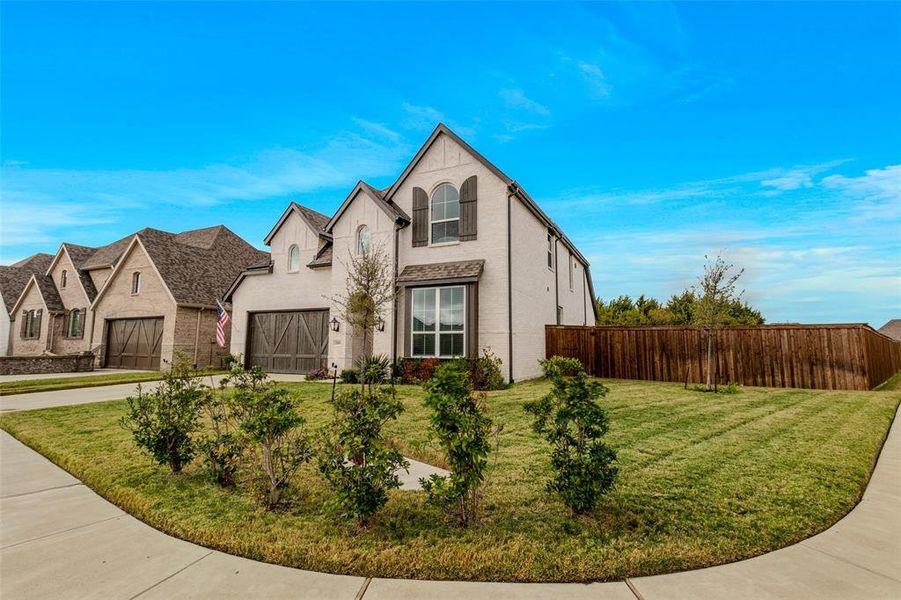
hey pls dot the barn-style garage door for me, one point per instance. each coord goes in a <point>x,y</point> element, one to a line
<point>134,343</point>
<point>289,342</point>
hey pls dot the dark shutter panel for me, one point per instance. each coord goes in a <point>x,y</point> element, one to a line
<point>37,327</point>
<point>468,212</point>
<point>83,316</point>
<point>420,217</point>
<point>22,329</point>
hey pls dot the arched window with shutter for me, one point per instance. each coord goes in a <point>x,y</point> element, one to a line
<point>445,215</point>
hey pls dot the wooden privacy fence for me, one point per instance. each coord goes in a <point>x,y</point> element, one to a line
<point>832,357</point>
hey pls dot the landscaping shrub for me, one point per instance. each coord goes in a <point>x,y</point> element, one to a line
<point>485,371</point>
<point>318,373</point>
<point>273,428</point>
<point>462,428</point>
<point>374,369</point>
<point>350,376</point>
<point>223,447</point>
<point>573,422</point>
<point>355,458</point>
<point>417,370</point>
<point>163,421</point>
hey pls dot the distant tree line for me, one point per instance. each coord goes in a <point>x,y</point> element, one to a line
<point>680,309</point>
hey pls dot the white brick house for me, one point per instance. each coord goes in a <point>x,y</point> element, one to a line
<point>478,264</point>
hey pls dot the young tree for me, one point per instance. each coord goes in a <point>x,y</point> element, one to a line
<point>463,429</point>
<point>573,422</point>
<point>716,295</point>
<point>163,421</point>
<point>355,457</point>
<point>369,290</point>
<point>272,426</point>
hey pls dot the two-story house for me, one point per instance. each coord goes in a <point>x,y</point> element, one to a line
<point>477,264</point>
<point>133,302</point>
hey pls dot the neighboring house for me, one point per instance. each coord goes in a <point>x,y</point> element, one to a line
<point>477,265</point>
<point>13,279</point>
<point>892,329</point>
<point>132,302</point>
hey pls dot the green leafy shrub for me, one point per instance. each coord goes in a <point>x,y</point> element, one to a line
<point>463,430</point>
<point>574,424</point>
<point>485,371</point>
<point>223,447</point>
<point>163,421</point>
<point>355,458</point>
<point>374,369</point>
<point>350,376</point>
<point>417,370</point>
<point>273,428</point>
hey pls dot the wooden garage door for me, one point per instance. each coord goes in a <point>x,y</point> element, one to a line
<point>289,342</point>
<point>134,343</point>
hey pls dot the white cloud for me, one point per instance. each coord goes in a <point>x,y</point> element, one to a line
<point>421,117</point>
<point>595,78</point>
<point>377,128</point>
<point>517,99</point>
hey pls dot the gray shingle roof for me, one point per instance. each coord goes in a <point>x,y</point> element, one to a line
<point>80,255</point>
<point>892,329</point>
<point>107,256</point>
<point>462,269</point>
<point>317,219</point>
<point>323,257</point>
<point>48,291</point>
<point>14,278</point>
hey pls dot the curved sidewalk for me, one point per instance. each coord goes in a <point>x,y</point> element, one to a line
<point>58,539</point>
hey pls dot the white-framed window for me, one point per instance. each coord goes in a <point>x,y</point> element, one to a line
<point>32,327</point>
<point>572,269</point>
<point>550,252</point>
<point>76,317</point>
<point>294,259</point>
<point>439,322</point>
<point>363,240</point>
<point>63,278</point>
<point>445,214</point>
<point>136,283</point>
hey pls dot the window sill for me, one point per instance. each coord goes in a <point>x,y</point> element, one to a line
<point>444,244</point>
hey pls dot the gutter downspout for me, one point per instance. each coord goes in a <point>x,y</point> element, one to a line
<point>394,301</point>
<point>197,335</point>
<point>584,292</point>
<point>556,283</point>
<point>510,194</point>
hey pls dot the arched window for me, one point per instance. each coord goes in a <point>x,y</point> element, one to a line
<point>136,283</point>
<point>293,259</point>
<point>363,240</point>
<point>63,278</point>
<point>445,214</point>
<point>75,323</point>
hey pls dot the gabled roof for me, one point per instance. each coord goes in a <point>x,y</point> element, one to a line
<point>323,257</point>
<point>106,257</point>
<point>78,255</point>
<point>49,295</point>
<point>443,129</point>
<point>263,267</point>
<point>377,196</point>
<point>315,220</point>
<point>15,277</point>
<point>892,329</point>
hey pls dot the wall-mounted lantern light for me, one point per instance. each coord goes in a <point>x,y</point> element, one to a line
<point>381,324</point>
<point>335,324</point>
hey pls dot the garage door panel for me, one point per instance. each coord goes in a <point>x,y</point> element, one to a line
<point>134,343</point>
<point>289,342</point>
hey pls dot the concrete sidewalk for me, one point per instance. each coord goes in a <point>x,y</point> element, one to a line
<point>8,378</point>
<point>60,540</point>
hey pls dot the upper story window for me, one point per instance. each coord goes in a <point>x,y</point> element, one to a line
<point>63,278</point>
<point>550,252</point>
<point>363,240</point>
<point>136,282</point>
<point>293,259</point>
<point>445,211</point>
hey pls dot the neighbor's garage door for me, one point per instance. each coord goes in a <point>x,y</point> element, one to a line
<point>289,342</point>
<point>134,343</point>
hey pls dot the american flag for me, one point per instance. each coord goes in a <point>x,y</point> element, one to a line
<point>222,320</point>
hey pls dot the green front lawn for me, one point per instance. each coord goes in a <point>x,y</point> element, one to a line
<point>704,480</point>
<point>51,383</point>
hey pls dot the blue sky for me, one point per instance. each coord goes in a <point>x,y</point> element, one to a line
<point>652,133</point>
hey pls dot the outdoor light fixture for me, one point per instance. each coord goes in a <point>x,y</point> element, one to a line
<point>335,324</point>
<point>381,324</point>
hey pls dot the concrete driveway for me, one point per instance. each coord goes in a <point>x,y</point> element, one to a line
<point>58,539</point>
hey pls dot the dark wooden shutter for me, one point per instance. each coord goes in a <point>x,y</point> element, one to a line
<point>468,212</point>
<point>23,328</point>
<point>37,327</point>
<point>420,217</point>
<point>83,316</point>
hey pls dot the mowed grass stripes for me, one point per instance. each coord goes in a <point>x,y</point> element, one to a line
<point>705,479</point>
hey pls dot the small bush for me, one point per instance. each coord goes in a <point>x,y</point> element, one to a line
<point>485,371</point>
<point>354,456</point>
<point>417,370</point>
<point>573,422</point>
<point>463,429</point>
<point>164,421</point>
<point>224,446</point>
<point>228,360</point>
<point>317,374</point>
<point>273,428</point>
<point>374,369</point>
<point>350,376</point>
